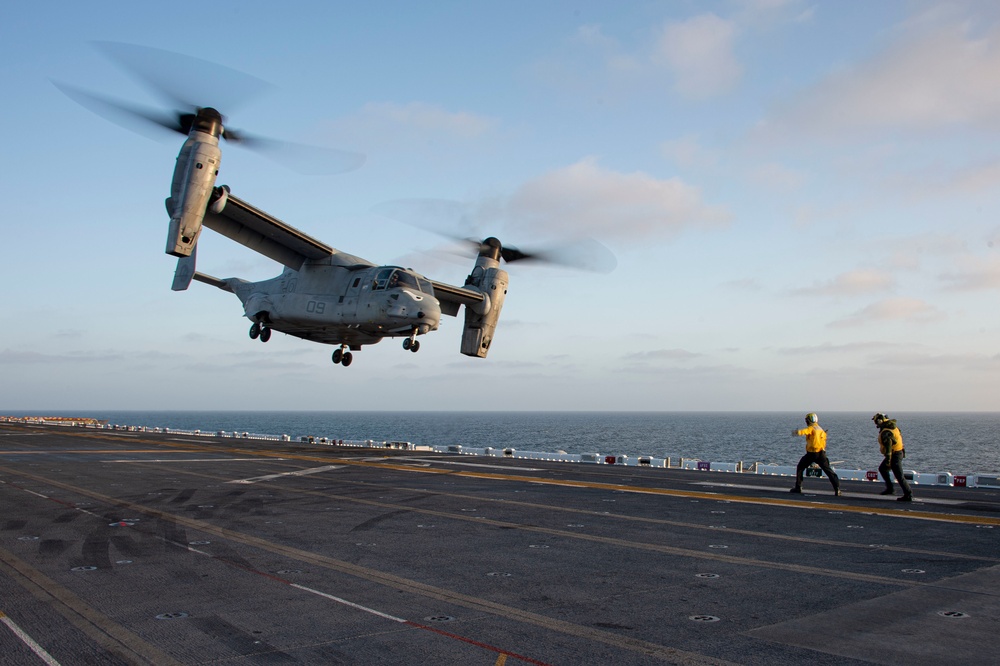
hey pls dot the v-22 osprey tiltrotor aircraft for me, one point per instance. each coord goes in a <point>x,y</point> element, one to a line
<point>323,295</point>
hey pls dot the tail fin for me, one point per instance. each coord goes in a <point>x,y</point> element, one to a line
<point>185,271</point>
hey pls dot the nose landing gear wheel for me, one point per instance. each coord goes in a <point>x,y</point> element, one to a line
<point>255,331</point>
<point>411,342</point>
<point>265,333</point>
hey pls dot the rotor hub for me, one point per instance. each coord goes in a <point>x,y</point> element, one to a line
<point>207,121</point>
<point>491,248</point>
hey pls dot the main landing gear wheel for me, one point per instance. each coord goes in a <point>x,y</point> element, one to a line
<point>343,358</point>
<point>262,331</point>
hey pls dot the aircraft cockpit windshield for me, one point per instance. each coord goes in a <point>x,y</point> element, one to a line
<point>392,278</point>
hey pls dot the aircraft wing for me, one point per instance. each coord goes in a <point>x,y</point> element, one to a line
<point>451,297</point>
<point>264,233</point>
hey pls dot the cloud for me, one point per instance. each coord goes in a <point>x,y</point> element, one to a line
<point>852,283</point>
<point>911,310</point>
<point>745,284</point>
<point>699,53</point>
<point>592,64</point>
<point>974,275</point>
<point>12,357</point>
<point>614,59</point>
<point>428,118</point>
<point>828,348</point>
<point>932,76</point>
<point>971,361</point>
<point>687,152</point>
<point>410,126</point>
<point>661,355</point>
<point>725,374</point>
<point>968,180</point>
<point>586,199</point>
<point>776,177</point>
<point>775,11</point>
<point>906,253</point>
<point>937,179</point>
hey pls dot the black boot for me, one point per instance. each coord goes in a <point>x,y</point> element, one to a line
<point>888,491</point>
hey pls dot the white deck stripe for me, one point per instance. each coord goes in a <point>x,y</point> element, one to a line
<point>181,460</point>
<point>300,472</point>
<point>29,641</point>
<point>347,603</point>
<point>443,461</point>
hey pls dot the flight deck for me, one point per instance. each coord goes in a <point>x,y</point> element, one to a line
<point>159,548</point>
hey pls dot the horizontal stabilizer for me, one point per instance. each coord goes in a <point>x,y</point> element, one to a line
<point>214,281</point>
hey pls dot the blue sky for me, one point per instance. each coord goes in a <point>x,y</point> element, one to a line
<point>802,198</point>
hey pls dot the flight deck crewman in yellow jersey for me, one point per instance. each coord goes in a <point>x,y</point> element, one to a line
<point>815,453</point>
<point>890,443</point>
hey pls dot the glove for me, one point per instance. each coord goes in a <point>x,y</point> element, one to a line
<point>795,433</point>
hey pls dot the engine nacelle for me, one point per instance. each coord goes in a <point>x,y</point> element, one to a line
<point>191,190</point>
<point>481,322</point>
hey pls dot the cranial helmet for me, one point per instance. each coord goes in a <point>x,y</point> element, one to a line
<point>879,418</point>
<point>811,418</point>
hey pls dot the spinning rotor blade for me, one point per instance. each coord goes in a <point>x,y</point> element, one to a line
<point>580,253</point>
<point>303,158</point>
<point>443,217</point>
<point>439,216</point>
<point>189,85</point>
<point>184,81</point>
<point>130,116</point>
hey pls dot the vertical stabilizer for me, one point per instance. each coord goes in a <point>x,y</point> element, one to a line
<point>184,271</point>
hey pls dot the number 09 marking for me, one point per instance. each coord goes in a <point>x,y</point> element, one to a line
<point>316,306</point>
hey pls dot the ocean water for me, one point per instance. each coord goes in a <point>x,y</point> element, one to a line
<point>961,443</point>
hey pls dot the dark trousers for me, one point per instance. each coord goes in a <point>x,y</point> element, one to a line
<point>818,457</point>
<point>895,463</point>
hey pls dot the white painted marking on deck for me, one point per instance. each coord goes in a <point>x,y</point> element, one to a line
<point>347,603</point>
<point>300,472</point>
<point>441,461</point>
<point>28,640</point>
<point>179,460</point>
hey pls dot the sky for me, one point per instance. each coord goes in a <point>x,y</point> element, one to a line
<point>802,198</point>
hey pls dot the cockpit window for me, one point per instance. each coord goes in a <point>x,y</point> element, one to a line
<point>382,279</point>
<point>392,278</point>
<point>403,279</point>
